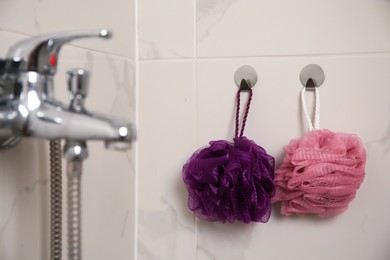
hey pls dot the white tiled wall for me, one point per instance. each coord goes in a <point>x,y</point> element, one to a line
<point>187,53</point>
<point>166,29</point>
<point>166,130</point>
<point>187,100</point>
<point>245,28</point>
<point>354,98</point>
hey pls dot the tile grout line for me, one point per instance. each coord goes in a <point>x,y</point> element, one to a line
<point>195,30</point>
<point>320,55</point>
<point>137,113</point>
<point>137,58</point>
<point>196,115</point>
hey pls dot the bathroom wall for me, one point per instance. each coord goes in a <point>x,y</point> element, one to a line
<point>108,188</point>
<point>189,51</point>
<point>181,55</point>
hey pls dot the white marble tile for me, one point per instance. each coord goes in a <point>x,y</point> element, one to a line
<point>166,29</point>
<point>166,139</point>
<point>108,192</point>
<point>43,16</point>
<point>109,176</point>
<point>241,28</point>
<point>24,201</point>
<point>355,99</point>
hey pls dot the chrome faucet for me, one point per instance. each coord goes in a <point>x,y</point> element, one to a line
<point>27,103</point>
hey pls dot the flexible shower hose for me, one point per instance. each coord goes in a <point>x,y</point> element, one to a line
<point>55,200</point>
<point>74,209</point>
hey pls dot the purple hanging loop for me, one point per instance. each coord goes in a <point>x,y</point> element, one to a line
<point>245,114</point>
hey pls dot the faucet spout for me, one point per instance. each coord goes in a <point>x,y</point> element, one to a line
<point>54,121</point>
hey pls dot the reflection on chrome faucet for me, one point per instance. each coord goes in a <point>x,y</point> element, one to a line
<point>28,106</point>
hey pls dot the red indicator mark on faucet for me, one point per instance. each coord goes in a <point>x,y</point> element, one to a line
<point>53,60</point>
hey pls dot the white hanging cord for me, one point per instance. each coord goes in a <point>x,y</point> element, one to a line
<point>317,109</point>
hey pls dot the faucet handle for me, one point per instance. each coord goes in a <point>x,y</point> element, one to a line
<point>40,53</point>
<point>78,80</point>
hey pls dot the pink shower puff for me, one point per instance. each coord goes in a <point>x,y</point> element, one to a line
<point>320,173</point>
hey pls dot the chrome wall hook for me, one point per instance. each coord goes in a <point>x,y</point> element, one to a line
<point>312,76</point>
<point>245,77</point>
<point>310,83</point>
<point>245,85</point>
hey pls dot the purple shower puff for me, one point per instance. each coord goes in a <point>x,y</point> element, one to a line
<point>230,181</point>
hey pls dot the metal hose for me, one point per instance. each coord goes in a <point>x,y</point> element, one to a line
<point>55,200</point>
<point>74,168</point>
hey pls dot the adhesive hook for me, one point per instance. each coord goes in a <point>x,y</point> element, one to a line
<point>312,76</point>
<point>245,77</point>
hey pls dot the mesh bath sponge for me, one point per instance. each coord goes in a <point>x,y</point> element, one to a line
<point>231,181</point>
<point>321,172</point>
